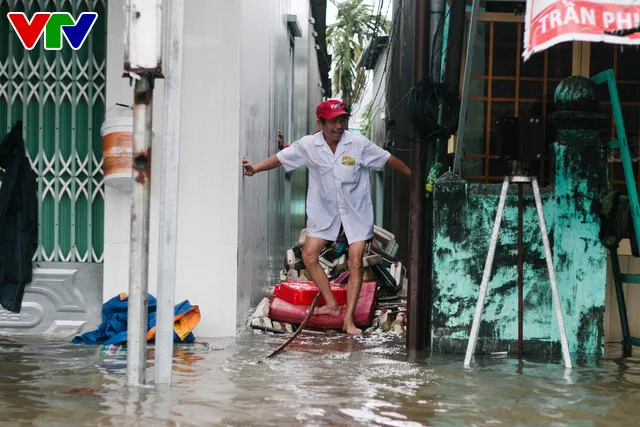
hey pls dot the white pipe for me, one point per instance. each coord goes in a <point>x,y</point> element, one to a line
<point>471,346</point>
<point>169,193</point>
<point>552,276</point>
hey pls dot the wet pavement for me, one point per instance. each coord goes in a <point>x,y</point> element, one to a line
<point>318,380</point>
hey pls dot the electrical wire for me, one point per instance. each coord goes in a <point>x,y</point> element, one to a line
<point>433,109</point>
<point>434,53</point>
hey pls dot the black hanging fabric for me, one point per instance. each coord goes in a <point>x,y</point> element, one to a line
<point>18,220</point>
<point>617,222</point>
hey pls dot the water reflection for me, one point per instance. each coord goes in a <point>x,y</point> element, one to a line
<point>319,380</point>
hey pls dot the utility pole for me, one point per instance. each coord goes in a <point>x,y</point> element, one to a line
<point>436,38</point>
<point>453,61</point>
<point>142,63</point>
<point>466,84</point>
<point>455,43</point>
<point>169,195</point>
<point>417,332</point>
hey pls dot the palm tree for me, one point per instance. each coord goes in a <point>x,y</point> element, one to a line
<point>354,27</point>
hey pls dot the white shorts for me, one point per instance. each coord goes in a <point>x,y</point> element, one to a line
<point>330,233</point>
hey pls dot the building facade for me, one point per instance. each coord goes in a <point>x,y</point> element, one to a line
<point>504,85</point>
<point>251,68</point>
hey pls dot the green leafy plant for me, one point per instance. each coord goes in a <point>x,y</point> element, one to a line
<point>355,25</point>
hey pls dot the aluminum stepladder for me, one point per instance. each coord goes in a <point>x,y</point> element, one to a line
<point>622,145</point>
<point>489,263</point>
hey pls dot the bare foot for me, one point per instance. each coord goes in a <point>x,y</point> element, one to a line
<point>327,310</point>
<point>351,329</point>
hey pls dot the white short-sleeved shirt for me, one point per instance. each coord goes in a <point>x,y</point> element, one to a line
<point>339,184</point>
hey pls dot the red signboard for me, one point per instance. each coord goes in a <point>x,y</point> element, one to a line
<point>549,22</point>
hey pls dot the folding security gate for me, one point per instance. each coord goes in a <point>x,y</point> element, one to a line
<point>60,98</point>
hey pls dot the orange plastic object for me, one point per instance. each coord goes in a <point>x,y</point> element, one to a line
<point>303,293</point>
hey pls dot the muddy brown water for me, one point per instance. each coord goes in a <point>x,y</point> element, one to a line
<point>318,381</point>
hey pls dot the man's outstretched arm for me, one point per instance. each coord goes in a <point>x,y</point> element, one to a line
<point>265,165</point>
<point>292,157</point>
<point>397,164</point>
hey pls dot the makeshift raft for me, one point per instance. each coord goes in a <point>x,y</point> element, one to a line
<point>381,305</point>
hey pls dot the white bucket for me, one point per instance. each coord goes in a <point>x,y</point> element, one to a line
<point>117,141</point>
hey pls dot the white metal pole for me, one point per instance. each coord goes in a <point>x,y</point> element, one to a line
<point>466,83</point>
<point>139,236</point>
<point>471,346</point>
<point>552,276</point>
<point>169,193</point>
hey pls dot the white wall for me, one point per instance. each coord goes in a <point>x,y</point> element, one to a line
<point>265,81</point>
<point>314,91</point>
<point>208,217</point>
<point>231,234</point>
<point>118,202</point>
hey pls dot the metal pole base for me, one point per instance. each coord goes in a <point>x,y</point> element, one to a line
<point>489,263</point>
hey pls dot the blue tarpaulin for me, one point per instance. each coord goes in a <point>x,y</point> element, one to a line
<point>113,329</point>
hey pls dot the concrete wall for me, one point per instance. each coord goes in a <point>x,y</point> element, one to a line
<point>230,230</point>
<point>463,219</point>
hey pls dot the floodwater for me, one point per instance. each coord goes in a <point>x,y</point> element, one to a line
<point>318,380</point>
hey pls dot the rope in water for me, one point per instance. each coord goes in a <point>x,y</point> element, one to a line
<point>297,332</point>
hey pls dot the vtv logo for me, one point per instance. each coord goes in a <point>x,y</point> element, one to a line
<point>54,25</point>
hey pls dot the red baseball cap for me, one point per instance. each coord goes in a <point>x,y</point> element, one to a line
<point>331,109</point>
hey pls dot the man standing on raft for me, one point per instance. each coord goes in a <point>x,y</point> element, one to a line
<point>339,195</point>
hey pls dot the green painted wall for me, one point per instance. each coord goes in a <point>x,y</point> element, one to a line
<point>463,221</point>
